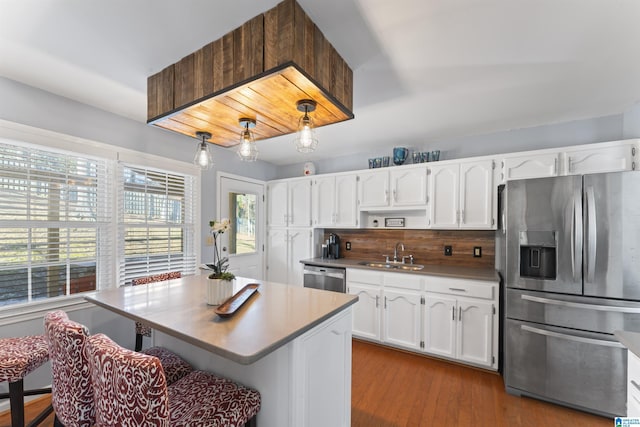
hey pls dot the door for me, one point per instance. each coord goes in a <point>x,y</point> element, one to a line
<point>476,195</point>
<point>409,187</point>
<point>277,261</point>
<point>241,200</point>
<point>402,318</point>
<point>544,234</point>
<point>277,213</point>
<point>475,332</point>
<point>439,325</point>
<point>611,230</point>
<point>373,189</point>
<point>323,201</point>
<point>444,189</point>
<point>300,203</point>
<point>346,198</point>
<point>299,248</point>
<point>366,312</point>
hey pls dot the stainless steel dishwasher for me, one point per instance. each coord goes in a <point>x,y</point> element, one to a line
<point>327,278</point>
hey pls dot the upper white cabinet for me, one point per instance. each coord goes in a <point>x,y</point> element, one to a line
<point>285,248</point>
<point>335,201</point>
<point>462,195</point>
<point>615,158</point>
<point>531,166</point>
<point>289,203</point>
<point>402,188</point>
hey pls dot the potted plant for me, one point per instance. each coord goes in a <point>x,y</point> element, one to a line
<point>220,286</point>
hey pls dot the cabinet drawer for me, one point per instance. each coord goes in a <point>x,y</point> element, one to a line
<point>365,276</point>
<point>404,281</point>
<point>470,288</point>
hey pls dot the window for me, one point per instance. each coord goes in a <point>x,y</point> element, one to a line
<point>55,224</point>
<point>242,213</point>
<point>156,224</point>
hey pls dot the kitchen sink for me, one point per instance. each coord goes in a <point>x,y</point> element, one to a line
<point>392,265</point>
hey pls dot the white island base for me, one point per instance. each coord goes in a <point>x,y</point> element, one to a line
<point>304,383</point>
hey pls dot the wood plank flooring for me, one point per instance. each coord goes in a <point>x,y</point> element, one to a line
<point>395,389</point>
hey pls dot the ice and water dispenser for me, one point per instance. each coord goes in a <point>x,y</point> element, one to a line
<point>538,255</point>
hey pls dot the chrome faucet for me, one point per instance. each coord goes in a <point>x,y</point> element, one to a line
<point>395,251</point>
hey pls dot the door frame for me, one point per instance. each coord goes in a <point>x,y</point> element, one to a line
<point>261,212</point>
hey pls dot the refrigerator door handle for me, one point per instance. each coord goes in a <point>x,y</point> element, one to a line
<point>572,337</point>
<point>595,307</point>
<point>576,236</point>
<point>591,235</point>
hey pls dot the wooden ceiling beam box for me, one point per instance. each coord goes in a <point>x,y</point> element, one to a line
<point>259,70</point>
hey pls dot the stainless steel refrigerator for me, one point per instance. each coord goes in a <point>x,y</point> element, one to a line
<point>572,261</point>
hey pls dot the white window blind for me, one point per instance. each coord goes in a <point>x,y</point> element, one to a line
<point>55,224</point>
<point>156,222</point>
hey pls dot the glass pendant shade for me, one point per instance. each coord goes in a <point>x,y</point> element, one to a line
<point>203,158</point>
<point>247,151</point>
<point>306,140</point>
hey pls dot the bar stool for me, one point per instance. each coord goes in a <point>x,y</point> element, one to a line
<point>142,397</point>
<point>143,330</point>
<point>19,356</point>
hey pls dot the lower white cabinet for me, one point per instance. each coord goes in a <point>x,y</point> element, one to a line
<point>633,385</point>
<point>440,316</point>
<point>285,248</point>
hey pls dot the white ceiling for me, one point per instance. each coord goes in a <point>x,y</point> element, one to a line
<point>424,70</point>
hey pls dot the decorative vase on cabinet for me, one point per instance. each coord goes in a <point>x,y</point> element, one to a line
<point>399,155</point>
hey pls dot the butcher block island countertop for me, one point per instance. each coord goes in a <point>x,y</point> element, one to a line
<point>276,315</point>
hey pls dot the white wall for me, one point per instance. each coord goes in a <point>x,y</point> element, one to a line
<point>631,122</point>
<point>609,128</point>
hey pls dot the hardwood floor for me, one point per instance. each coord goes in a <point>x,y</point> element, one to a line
<point>395,389</point>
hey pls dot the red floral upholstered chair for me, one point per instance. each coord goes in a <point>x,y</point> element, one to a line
<point>19,356</point>
<point>72,396</point>
<point>141,328</point>
<point>130,390</point>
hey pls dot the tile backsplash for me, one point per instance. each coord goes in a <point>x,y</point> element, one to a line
<point>426,246</point>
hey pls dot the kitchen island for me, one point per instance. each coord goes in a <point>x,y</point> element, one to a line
<point>292,344</point>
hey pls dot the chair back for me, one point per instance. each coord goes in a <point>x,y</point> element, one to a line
<point>72,393</point>
<point>130,388</point>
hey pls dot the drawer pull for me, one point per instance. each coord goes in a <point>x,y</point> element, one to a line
<point>574,338</point>
<point>612,308</point>
<point>457,289</point>
<point>635,384</point>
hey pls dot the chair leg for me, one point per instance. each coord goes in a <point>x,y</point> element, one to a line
<point>252,422</point>
<point>16,403</point>
<point>138,342</point>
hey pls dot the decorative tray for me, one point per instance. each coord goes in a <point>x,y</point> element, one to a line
<point>230,306</point>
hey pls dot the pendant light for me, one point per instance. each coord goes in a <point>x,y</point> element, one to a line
<point>247,151</point>
<point>203,158</point>
<point>306,140</point>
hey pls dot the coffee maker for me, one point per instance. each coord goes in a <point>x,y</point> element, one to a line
<point>334,246</point>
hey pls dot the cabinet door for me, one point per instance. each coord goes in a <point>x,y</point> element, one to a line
<point>324,195</point>
<point>600,160</point>
<point>439,325</point>
<point>277,210</point>
<point>346,207</point>
<point>366,312</point>
<point>299,248</point>
<point>531,166</point>
<point>373,189</point>
<point>300,203</point>
<point>401,318</point>
<point>475,332</point>
<point>277,257</point>
<point>476,195</point>
<point>444,189</point>
<point>409,187</point>
<point>322,375</point>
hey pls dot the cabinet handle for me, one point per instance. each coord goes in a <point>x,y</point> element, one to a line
<point>386,196</point>
<point>453,313</point>
<point>395,199</point>
<point>385,303</point>
<point>635,384</point>
<point>377,301</point>
<point>462,216</point>
<point>460,314</point>
<point>457,289</point>
<point>555,165</point>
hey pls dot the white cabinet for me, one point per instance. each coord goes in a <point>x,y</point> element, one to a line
<point>531,166</point>
<point>366,312</point>
<point>462,195</point>
<point>402,188</point>
<point>402,313</point>
<point>285,248</point>
<point>633,385</point>
<point>289,203</point>
<point>464,328</point>
<point>335,201</point>
<point>614,158</point>
<point>322,375</point>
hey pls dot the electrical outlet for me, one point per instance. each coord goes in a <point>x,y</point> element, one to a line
<point>348,246</point>
<point>448,250</point>
<point>477,251</point>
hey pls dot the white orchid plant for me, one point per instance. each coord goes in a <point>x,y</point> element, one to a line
<point>220,264</point>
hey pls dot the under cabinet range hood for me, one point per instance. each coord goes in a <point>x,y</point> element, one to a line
<point>259,70</point>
